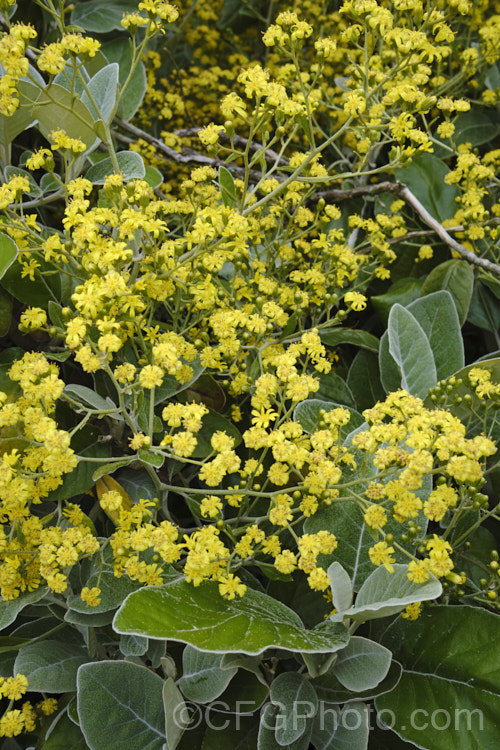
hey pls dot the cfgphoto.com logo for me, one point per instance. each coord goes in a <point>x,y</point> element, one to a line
<point>352,717</point>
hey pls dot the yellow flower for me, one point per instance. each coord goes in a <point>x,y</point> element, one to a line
<point>380,554</point>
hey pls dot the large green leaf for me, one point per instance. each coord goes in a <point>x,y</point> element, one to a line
<point>270,721</point>
<point>101,17</point>
<point>213,422</point>
<point>341,586</point>
<point>411,350</point>
<point>364,381</point>
<point>297,704</point>
<point>437,314</point>
<point>346,729</point>
<point>484,310</point>
<point>88,397</point>
<point>171,386</point>
<point>175,713</point>
<point>130,163</point>
<point>102,93</point>
<point>57,107</point>
<point>227,187</point>
<point>402,291</point>
<point>384,593</point>
<point>120,705</point>
<point>201,617</point>
<point>51,665</point>
<point>118,51</point>
<point>355,337</point>
<point>425,178</point>
<point>308,414</point>
<point>81,478</point>
<point>203,679</point>
<point>6,304</point>
<point>455,276</point>
<point>334,388</point>
<point>345,520</point>
<point>390,374</point>
<point>330,690</point>
<point>362,664</point>
<point>9,610</point>
<point>113,592</point>
<point>8,253</point>
<point>449,694</point>
<point>476,126</point>
<point>65,735</point>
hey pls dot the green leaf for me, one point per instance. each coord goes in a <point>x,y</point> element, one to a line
<point>171,387</point>
<point>201,617</point>
<point>153,177</point>
<point>50,665</point>
<point>88,398</point>
<point>67,112</point>
<point>456,277</point>
<point>103,88</point>
<point>137,484</point>
<point>113,592</point>
<point>475,127</point>
<point>390,374</point>
<point>270,721</point>
<point>175,711</point>
<point>334,388</point>
<point>308,414</point>
<point>35,191</point>
<point>213,422</point>
<point>98,620</point>
<point>345,520</point>
<point>383,594</point>
<point>425,177</point>
<point>99,17</point>
<point>297,704</point>
<point>451,670</point>
<point>246,693</point>
<point>10,609</point>
<point>133,645</point>
<point>402,291</point>
<point>410,348</point>
<point>203,679</point>
<point>150,457</point>
<point>466,411</point>
<point>346,729</point>
<point>65,735</point>
<point>437,314</point>
<point>6,303</point>
<point>362,664</point>
<point>227,187</point>
<point>336,336</point>
<point>341,586</point>
<point>484,310</point>
<point>131,166</point>
<point>364,381</point>
<point>119,703</point>
<point>110,468</point>
<point>15,124</point>
<point>130,99</point>
<point>330,690</point>
<point>8,253</point>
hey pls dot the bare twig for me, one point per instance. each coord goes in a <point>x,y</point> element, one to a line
<point>186,156</point>
<point>442,233</point>
<point>239,140</point>
<point>411,199</point>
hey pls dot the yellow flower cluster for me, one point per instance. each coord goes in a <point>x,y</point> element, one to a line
<point>36,455</point>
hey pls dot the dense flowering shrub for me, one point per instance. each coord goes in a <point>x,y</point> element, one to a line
<point>234,390</point>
